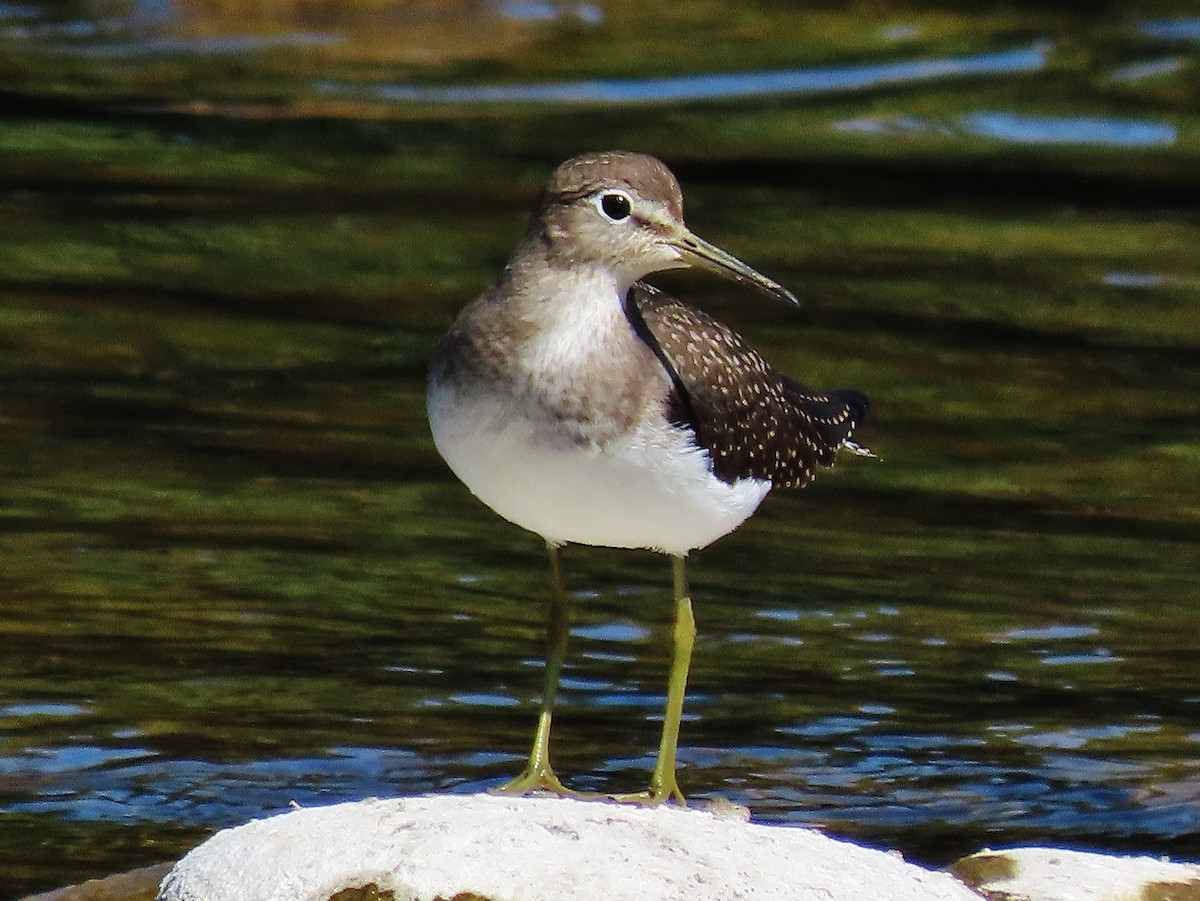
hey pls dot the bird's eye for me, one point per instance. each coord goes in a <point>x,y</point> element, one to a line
<point>615,205</point>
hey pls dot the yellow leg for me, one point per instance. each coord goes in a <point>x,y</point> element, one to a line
<point>538,773</point>
<point>663,785</point>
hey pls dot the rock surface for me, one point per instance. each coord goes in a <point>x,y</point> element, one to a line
<point>136,885</point>
<point>538,849</point>
<point>1048,874</point>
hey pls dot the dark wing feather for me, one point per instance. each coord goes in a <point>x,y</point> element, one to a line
<point>754,421</point>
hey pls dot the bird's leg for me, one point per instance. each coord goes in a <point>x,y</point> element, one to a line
<point>663,785</point>
<point>538,773</point>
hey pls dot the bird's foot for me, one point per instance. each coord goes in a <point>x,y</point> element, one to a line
<point>658,792</point>
<point>545,780</point>
<point>537,779</point>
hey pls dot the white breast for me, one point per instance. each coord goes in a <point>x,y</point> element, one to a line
<point>650,489</point>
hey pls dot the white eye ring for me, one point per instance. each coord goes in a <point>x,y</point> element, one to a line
<point>615,206</point>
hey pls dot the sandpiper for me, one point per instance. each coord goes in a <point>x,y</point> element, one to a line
<point>587,406</point>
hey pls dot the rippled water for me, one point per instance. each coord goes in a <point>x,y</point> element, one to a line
<point>717,86</point>
<point>236,574</point>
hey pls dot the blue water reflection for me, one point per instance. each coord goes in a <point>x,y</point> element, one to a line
<point>541,11</point>
<point>1172,29</point>
<point>716,86</point>
<point>1016,128</point>
<point>226,44</point>
<point>1153,68</point>
<point>1019,129</point>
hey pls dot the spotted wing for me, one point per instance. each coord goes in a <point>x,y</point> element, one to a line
<point>754,421</point>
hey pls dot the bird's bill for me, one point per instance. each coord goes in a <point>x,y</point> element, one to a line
<point>699,253</point>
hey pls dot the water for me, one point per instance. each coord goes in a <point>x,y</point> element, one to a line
<point>236,575</point>
<point>717,86</point>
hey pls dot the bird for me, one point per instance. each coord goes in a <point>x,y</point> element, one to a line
<point>588,407</point>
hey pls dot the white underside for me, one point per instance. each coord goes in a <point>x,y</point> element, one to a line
<point>650,489</point>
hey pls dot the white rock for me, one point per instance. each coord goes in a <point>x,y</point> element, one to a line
<point>1048,874</point>
<point>539,849</point>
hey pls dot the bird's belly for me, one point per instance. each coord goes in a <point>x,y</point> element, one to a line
<point>652,488</point>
